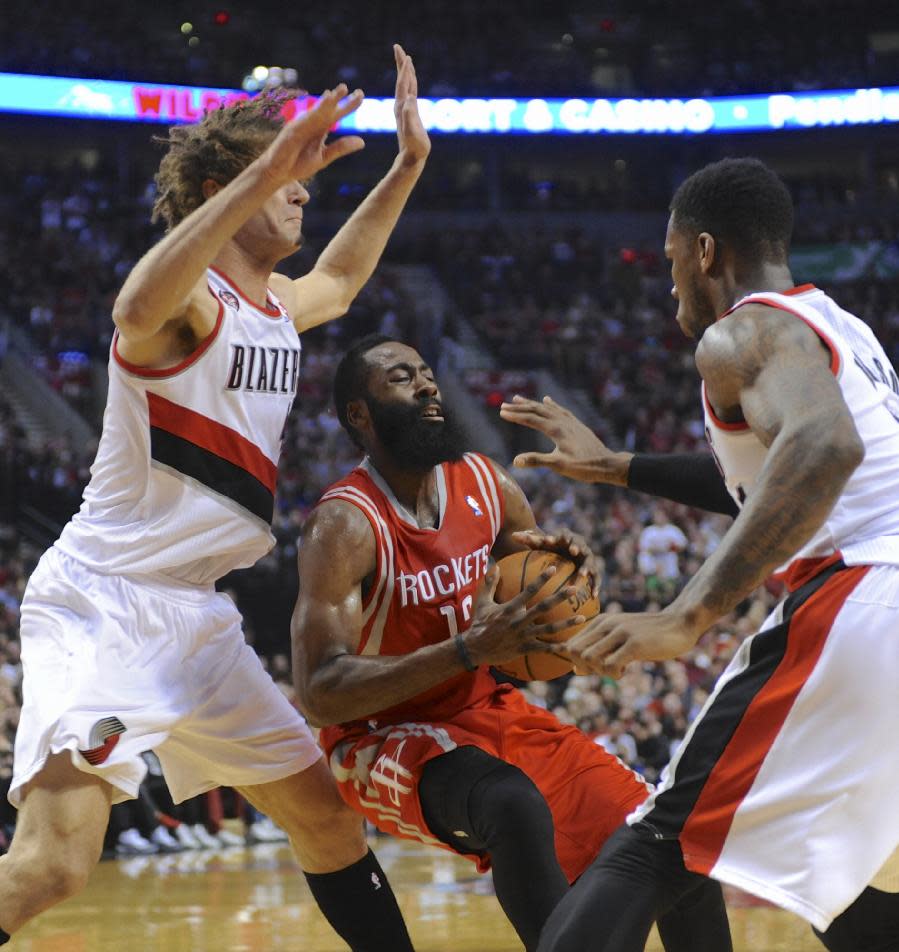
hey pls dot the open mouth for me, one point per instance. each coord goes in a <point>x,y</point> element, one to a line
<point>432,412</point>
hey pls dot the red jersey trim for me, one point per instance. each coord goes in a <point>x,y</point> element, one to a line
<point>213,436</point>
<point>720,424</point>
<point>831,346</point>
<point>800,571</point>
<point>270,309</point>
<point>340,494</point>
<point>799,289</point>
<point>768,302</point>
<point>150,373</point>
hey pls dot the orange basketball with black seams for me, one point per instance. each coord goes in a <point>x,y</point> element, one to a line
<point>519,570</point>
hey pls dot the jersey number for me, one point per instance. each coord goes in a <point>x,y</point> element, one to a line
<point>449,613</point>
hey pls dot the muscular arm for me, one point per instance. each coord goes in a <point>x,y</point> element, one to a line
<point>334,685</point>
<point>517,515</point>
<point>775,370</point>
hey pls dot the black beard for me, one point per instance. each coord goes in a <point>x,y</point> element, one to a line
<point>411,440</point>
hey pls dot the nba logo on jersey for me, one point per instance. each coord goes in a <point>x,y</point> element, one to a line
<point>230,298</point>
<point>474,505</point>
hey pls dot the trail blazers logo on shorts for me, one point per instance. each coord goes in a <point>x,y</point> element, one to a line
<point>103,737</point>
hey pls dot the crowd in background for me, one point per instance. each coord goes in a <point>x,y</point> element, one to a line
<point>596,314</point>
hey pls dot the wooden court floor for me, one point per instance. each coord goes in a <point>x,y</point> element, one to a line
<point>255,900</point>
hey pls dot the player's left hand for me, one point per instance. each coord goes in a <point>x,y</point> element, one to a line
<point>608,643</point>
<point>415,145</point>
<point>570,544</point>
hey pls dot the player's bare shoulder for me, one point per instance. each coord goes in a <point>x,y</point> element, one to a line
<point>338,539</point>
<point>733,351</point>
<point>176,339</point>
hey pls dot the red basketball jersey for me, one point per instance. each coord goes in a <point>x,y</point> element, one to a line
<point>426,580</point>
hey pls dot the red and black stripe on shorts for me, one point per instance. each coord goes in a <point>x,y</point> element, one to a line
<point>719,764</point>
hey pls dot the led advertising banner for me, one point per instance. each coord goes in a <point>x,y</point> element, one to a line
<point>153,102</point>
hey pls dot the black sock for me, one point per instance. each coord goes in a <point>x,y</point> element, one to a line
<point>361,907</point>
<point>4,937</point>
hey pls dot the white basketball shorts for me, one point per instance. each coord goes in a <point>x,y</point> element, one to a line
<point>786,782</point>
<point>117,665</point>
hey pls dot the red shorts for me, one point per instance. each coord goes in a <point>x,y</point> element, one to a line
<point>588,791</point>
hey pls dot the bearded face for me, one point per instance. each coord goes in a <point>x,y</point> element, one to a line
<point>419,435</point>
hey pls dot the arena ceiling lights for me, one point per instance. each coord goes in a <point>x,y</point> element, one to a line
<point>151,102</point>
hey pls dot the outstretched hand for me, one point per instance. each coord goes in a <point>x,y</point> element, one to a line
<point>608,643</point>
<point>300,149</point>
<point>578,454</point>
<point>414,143</point>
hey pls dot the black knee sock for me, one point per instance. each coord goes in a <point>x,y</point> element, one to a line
<point>504,815</point>
<point>634,880</point>
<point>870,923</point>
<point>361,907</point>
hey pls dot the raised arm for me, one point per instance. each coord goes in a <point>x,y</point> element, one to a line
<point>351,256</point>
<point>333,684</point>
<point>169,281</point>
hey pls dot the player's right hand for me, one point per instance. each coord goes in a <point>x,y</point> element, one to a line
<point>501,631</point>
<point>300,149</point>
<point>578,454</point>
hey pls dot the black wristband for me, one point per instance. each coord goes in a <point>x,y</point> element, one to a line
<point>690,478</point>
<point>464,656</point>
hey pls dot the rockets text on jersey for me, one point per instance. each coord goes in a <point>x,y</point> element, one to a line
<point>426,579</point>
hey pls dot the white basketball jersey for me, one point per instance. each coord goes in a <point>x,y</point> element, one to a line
<point>184,479</point>
<point>863,526</point>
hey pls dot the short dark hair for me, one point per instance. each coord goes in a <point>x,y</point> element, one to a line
<point>741,203</point>
<point>351,377</point>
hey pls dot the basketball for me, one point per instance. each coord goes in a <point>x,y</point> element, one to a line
<point>519,570</point>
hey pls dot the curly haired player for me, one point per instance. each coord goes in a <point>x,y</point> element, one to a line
<point>125,643</point>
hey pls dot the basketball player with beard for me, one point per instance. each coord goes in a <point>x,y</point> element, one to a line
<point>126,644</point>
<point>394,631</point>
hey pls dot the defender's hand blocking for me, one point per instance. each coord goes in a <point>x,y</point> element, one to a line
<point>415,146</point>
<point>300,150</point>
<point>578,454</point>
<point>610,642</point>
<point>502,631</point>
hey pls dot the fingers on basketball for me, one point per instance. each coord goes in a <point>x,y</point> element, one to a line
<point>559,604</point>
